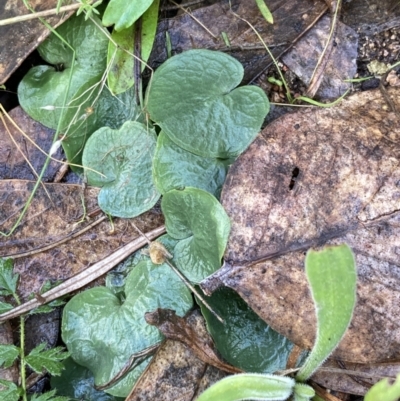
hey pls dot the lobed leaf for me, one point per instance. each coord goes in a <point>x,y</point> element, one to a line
<point>8,280</point>
<point>8,354</point>
<point>193,98</point>
<point>50,360</point>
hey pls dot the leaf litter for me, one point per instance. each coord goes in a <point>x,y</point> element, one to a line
<point>323,177</point>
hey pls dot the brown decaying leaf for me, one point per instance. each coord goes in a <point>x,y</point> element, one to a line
<point>13,164</point>
<point>352,378</point>
<point>312,178</point>
<point>179,329</point>
<point>60,219</point>
<point>339,63</point>
<point>176,373</point>
<point>21,38</point>
<point>291,20</point>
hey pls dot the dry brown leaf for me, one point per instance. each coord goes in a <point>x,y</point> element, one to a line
<point>13,164</point>
<point>179,329</point>
<point>311,178</point>
<point>175,373</point>
<point>21,38</point>
<point>56,221</point>
<point>291,20</point>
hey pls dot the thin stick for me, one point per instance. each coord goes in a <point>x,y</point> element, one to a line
<point>196,19</point>
<point>39,14</point>
<point>185,280</point>
<point>87,276</point>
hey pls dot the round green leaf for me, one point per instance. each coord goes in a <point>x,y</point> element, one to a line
<point>174,168</point>
<point>44,86</point>
<point>124,158</point>
<point>244,340</point>
<point>123,13</point>
<point>201,224</point>
<point>102,333</point>
<point>193,98</point>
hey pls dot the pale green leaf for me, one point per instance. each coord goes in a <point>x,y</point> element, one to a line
<point>332,277</point>
<point>265,11</point>
<point>176,168</point>
<point>192,97</point>
<point>120,162</point>
<point>121,60</point>
<point>303,392</point>
<point>8,354</point>
<point>8,280</point>
<point>247,386</point>
<point>384,391</point>
<point>102,332</point>
<point>50,360</point>
<point>123,13</point>
<point>199,221</point>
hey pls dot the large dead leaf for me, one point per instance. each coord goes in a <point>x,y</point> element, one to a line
<point>315,177</point>
<point>18,135</point>
<point>56,218</point>
<point>291,20</point>
<point>175,373</point>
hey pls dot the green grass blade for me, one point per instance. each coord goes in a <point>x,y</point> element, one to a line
<point>265,11</point>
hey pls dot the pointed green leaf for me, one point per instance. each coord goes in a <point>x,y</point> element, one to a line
<point>123,13</point>
<point>248,386</point>
<point>176,168</point>
<point>8,354</point>
<point>244,340</point>
<point>9,391</point>
<point>384,391</point>
<point>332,276</point>
<point>120,77</point>
<point>48,396</point>
<point>192,97</point>
<point>303,392</point>
<point>4,306</point>
<point>50,360</point>
<point>102,333</point>
<point>201,224</point>
<point>124,158</point>
<point>8,280</point>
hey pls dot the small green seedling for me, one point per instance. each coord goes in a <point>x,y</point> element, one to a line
<point>332,277</point>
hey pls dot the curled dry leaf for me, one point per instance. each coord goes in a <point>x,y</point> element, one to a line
<point>176,373</point>
<point>63,232</point>
<point>313,178</point>
<point>179,329</point>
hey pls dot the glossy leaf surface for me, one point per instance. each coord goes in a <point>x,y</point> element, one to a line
<point>244,340</point>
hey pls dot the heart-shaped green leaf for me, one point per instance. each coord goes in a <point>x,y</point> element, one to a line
<point>244,339</point>
<point>124,158</point>
<point>102,333</point>
<point>123,13</point>
<point>193,98</point>
<point>174,168</point>
<point>201,224</point>
<point>41,92</point>
<point>120,77</point>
